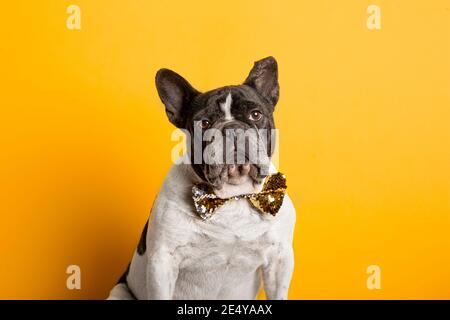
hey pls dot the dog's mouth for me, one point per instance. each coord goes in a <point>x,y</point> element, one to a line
<point>236,174</point>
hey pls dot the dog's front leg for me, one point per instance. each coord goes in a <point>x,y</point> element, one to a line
<point>277,272</point>
<point>162,273</point>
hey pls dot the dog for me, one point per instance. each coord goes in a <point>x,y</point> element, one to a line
<point>232,253</point>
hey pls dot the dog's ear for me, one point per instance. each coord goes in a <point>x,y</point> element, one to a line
<point>264,79</point>
<point>176,94</point>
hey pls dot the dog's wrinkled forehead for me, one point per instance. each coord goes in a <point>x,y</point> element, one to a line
<point>227,104</point>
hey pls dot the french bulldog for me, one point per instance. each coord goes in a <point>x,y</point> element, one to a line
<point>238,249</point>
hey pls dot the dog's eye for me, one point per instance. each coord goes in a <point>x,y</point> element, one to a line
<point>255,115</point>
<point>204,124</point>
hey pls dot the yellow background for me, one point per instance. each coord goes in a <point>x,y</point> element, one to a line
<point>364,135</point>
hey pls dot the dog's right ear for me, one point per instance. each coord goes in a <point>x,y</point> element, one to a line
<point>176,94</point>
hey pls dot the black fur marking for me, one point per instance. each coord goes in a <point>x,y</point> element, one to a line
<point>123,278</point>
<point>142,245</point>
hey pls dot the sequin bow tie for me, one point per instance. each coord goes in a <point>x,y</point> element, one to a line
<point>269,200</point>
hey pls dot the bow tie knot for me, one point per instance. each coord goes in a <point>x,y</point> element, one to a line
<point>269,200</point>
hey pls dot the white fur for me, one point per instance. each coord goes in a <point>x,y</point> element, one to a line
<point>230,190</point>
<point>226,108</point>
<point>225,257</point>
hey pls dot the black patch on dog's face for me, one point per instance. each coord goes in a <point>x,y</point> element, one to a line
<point>186,107</point>
<point>142,245</point>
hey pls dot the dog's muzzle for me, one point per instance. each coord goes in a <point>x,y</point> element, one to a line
<point>234,154</point>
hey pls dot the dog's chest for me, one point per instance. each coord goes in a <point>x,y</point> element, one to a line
<point>234,240</point>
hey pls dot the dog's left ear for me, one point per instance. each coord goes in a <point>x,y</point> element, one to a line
<point>264,79</point>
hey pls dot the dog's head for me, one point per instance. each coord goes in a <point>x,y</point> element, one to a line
<point>230,129</point>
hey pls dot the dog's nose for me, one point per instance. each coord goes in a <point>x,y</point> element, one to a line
<point>234,131</point>
<point>232,125</point>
